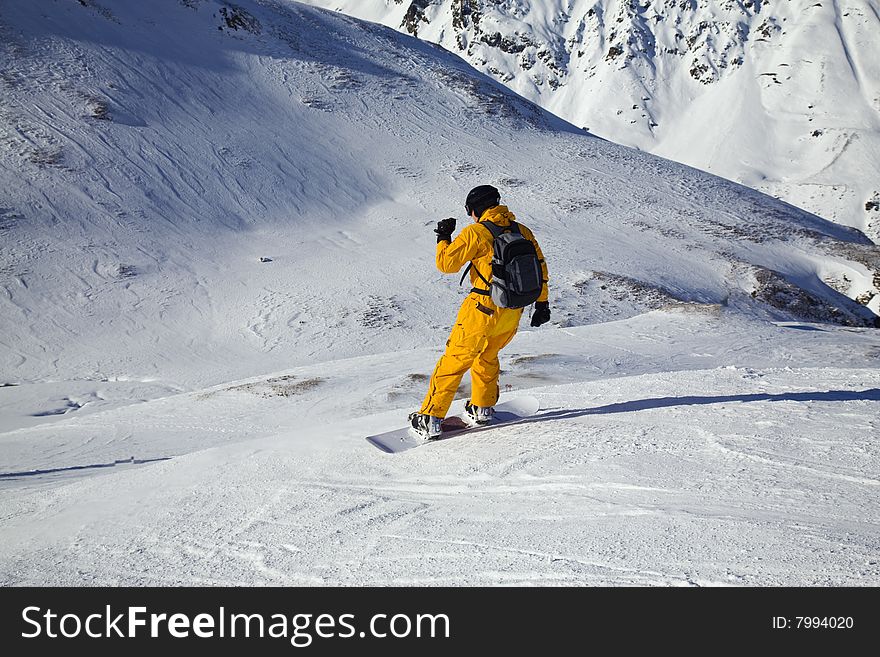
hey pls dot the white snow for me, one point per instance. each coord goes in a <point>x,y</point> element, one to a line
<point>175,411</point>
<point>781,96</point>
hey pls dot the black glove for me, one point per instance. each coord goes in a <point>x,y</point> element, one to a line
<point>444,229</point>
<point>541,314</point>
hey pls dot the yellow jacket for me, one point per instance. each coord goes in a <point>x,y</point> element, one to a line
<point>474,244</point>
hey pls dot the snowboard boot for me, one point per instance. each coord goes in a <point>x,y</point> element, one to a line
<point>425,426</point>
<point>478,414</point>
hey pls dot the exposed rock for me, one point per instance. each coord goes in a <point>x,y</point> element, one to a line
<point>414,15</point>
<point>237,18</point>
<point>774,289</point>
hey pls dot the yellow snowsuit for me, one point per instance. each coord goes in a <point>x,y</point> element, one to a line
<point>481,329</point>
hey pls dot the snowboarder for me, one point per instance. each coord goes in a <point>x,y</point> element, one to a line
<point>482,328</point>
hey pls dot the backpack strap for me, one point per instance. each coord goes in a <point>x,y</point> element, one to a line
<point>479,290</point>
<point>466,270</point>
<point>495,230</point>
<point>475,289</point>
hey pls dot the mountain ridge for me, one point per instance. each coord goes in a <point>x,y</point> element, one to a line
<point>781,96</point>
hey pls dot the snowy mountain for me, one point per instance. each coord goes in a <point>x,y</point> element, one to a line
<point>782,96</point>
<point>217,276</point>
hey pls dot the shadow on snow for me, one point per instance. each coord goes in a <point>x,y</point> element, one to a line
<point>72,468</point>
<point>872,394</point>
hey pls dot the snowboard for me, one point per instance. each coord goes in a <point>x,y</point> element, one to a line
<point>400,440</point>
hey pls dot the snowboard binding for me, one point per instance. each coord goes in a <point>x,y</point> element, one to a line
<point>479,415</point>
<point>424,426</point>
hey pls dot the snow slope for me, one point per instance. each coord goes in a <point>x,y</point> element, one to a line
<point>175,410</point>
<point>655,466</point>
<point>782,96</point>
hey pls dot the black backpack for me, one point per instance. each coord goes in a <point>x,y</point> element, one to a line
<point>517,279</point>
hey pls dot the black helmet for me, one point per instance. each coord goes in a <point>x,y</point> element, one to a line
<point>480,199</point>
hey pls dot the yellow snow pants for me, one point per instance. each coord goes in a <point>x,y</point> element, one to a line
<point>481,330</point>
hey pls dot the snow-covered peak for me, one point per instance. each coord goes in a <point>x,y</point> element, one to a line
<point>782,96</point>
